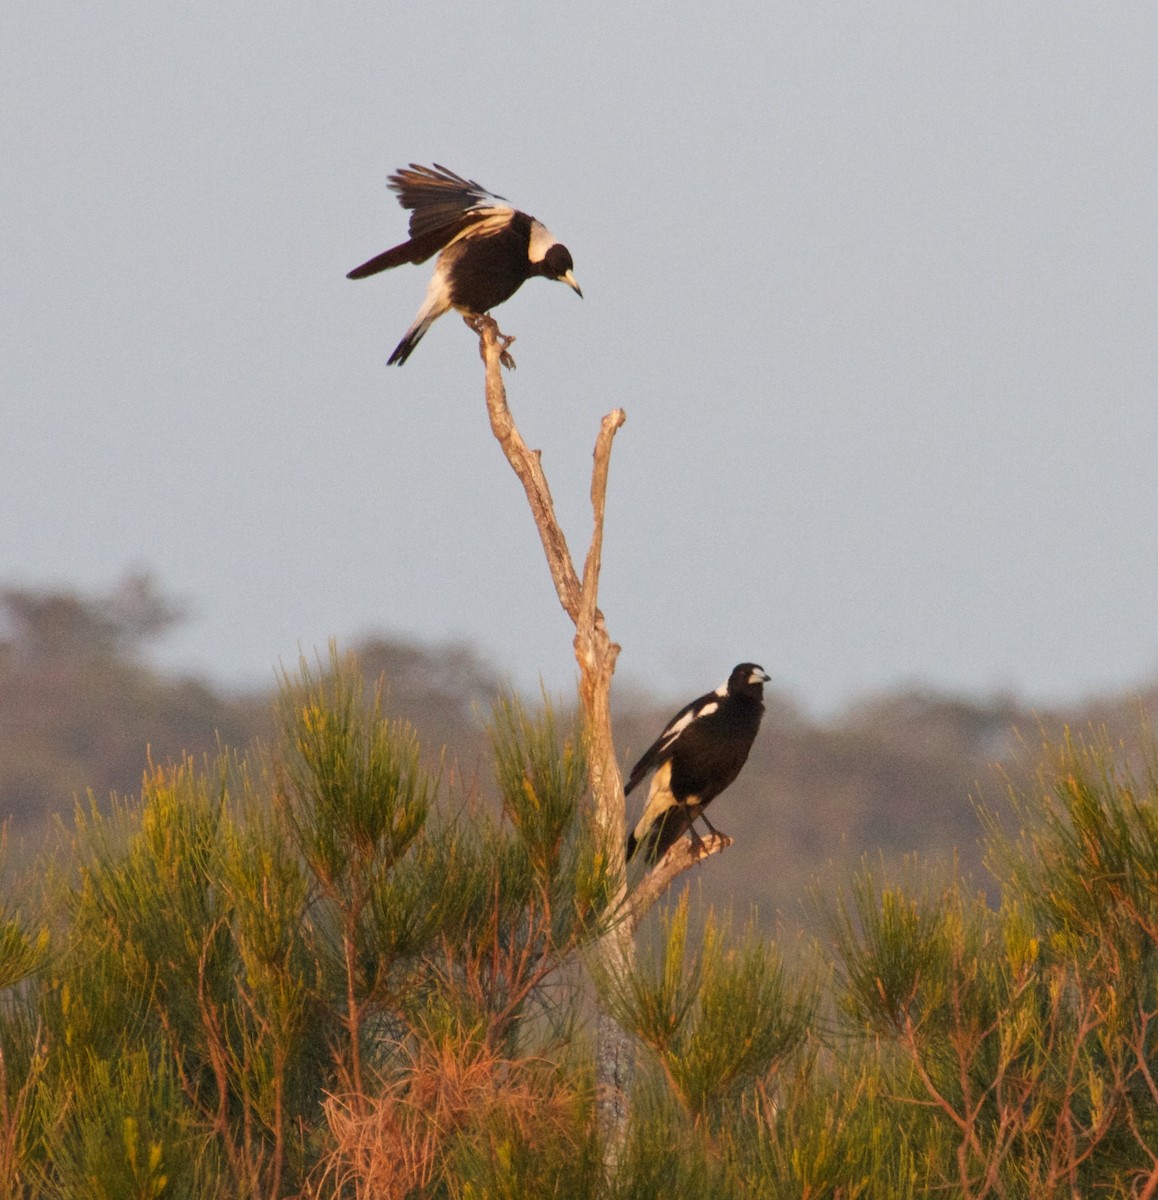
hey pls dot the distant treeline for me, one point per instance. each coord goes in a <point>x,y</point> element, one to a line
<point>83,712</point>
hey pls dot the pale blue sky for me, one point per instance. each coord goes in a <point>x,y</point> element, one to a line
<point>876,285</point>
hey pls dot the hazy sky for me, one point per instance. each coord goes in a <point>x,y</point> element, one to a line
<point>877,285</point>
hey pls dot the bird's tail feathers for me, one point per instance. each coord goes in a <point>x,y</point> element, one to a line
<point>414,334</point>
<point>436,303</point>
<point>663,833</point>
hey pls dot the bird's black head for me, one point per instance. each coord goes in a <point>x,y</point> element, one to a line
<point>557,261</point>
<point>557,264</point>
<point>748,679</point>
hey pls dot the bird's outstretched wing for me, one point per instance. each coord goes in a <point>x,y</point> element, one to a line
<point>440,199</point>
<point>663,747</point>
<point>444,207</point>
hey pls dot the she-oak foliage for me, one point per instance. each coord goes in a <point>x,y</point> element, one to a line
<point>319,970</point>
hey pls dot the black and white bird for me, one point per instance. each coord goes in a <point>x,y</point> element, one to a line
<point>486,248</point>
<point>699,753</point>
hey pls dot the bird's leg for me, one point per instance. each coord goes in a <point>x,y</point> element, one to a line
<point>701,849</point>
<point>701,846</point>
<point>505,340</point>
<point>478,322</point>
<point>475,321</point>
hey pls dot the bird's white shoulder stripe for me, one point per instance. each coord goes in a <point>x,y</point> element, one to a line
<point>678,726</point>
<point>502,212</point>
<point>491,219</point>
<point>542,239</point>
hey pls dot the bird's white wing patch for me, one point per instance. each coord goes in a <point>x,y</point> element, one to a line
<point>676,728</point>
<point>673,731</point>
<point>487,219</point>
<point>542,239</point>
<point>496,212</point>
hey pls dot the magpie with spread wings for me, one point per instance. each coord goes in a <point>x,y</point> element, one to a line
<point>486,248</point>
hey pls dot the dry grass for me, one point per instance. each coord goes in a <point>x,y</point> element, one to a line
<point>402,1139</point>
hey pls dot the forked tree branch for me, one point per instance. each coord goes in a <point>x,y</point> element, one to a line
<point>595,652</point>
<point>596,655</point>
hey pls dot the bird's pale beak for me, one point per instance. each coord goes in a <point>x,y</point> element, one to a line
<point>569,280</point>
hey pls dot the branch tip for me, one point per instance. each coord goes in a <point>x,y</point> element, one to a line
<point>681,856</point>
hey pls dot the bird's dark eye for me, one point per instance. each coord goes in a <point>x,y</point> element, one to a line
<point>558,260</point>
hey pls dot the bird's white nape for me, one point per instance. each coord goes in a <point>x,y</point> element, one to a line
<point>542,239</point>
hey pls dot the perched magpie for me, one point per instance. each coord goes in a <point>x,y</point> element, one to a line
<point>486,248</point>
<point>699,753</point>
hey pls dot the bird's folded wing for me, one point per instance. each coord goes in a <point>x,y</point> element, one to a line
<point>661,749</point>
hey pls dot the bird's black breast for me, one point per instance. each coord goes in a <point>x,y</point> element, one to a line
<point>710,752</point>
<point>490,268</point>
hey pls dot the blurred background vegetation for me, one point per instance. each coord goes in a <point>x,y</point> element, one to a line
<point>341,959</point>
<point>83,710</point>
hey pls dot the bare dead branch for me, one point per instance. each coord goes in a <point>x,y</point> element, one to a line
<point>589,614</point>
<point>682,856</point>
<point>525,463</point>
<point>596,656</point>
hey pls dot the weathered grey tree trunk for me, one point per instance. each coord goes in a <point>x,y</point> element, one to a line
<point>596,654</point>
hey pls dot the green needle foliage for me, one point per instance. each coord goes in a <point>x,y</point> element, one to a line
<point>123,1136</point>
<point>314,970</point>
<point>1027,1035</point>
<point>260,963</point>
<point>717,1020</point>
<point>351,788</point>
<point>21,951</point>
